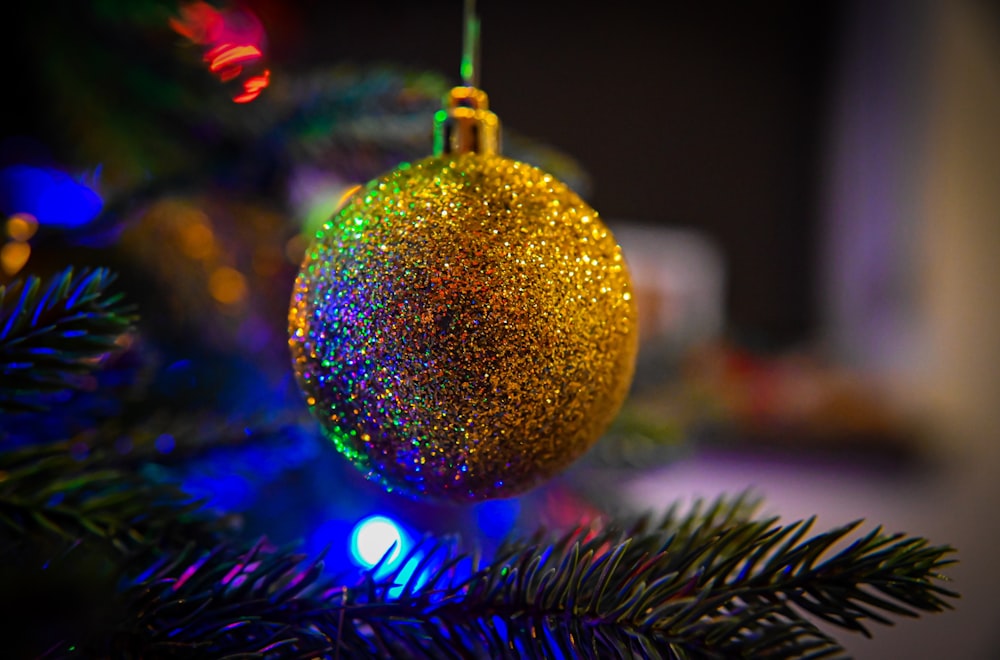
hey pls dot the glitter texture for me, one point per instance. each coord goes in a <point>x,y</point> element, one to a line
<point>464,327</point>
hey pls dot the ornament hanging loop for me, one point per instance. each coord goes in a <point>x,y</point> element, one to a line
<point>466,125</point>
<point>470,46</point>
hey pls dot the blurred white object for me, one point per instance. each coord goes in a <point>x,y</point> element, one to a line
<point>679,279</point>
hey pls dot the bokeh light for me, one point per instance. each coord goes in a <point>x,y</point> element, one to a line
<point>375,536</point>
<point>227,285</point>
<point>496,518</point>
<point>233,38</point>
<point>13,256</point>
<point>253,86</point>
<point>379,538</point>
<point>21,227</point>
<point>50,196</point>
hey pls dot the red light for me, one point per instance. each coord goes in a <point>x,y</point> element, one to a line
<point>252,87</point>
<point>229,73</point>
<point>203,24</point>
<point>233,38</point>
<point>200,22</point>
<point>227,55</point>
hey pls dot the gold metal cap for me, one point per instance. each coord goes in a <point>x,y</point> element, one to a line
<point>466,125</point>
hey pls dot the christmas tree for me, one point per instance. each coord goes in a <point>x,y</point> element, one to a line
<point>165,492</point>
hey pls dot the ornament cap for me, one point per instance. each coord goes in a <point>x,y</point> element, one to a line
<point>466,124</point>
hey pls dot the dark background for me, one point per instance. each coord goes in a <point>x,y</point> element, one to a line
<point>705,116</point>
<point>708,116</point>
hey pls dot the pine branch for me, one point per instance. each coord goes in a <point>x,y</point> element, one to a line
<point>111,484</point>
<point>50,334</point>
<point>52,494</point>
<point>195,433</point>
<point>712,583</point>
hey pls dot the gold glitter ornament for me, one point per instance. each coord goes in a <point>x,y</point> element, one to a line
<point>463,328</point>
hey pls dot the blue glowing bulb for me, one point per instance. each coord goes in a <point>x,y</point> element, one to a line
<point>373,537</point>
<point>51,196</point>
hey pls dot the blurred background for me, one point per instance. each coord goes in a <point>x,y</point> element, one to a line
<point>808,195</point>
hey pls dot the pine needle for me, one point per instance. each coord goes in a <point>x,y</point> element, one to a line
<point>51,334</point>
<point>708,584</point>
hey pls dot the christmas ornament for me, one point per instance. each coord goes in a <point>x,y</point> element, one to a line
<point>463,328</point>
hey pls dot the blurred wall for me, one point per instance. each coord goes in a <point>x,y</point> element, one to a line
<point>959,255</point>
<point>911,230</point>
<point>910,287</point>
<point>875,162</point>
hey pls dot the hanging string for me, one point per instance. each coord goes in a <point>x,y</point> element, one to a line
<point>470,46</point>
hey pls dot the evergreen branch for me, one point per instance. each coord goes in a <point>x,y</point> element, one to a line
<point>709,584</point>
<point>96,487</point>
<point>49,494</point>
<point>51,333</point>
<point>195,433</point>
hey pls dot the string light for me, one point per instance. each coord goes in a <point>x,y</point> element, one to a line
<point>373,537</point>
<point>234,41</point>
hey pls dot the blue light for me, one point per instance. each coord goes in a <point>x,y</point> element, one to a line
<point>226,492</point>
<point>164,443</point>
<point>373,537</point>
<point>405,575</point>
<point>51,196</point>
<point>496,518</point>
